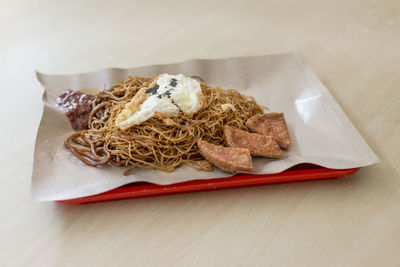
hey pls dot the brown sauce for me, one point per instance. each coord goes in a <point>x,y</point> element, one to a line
<point>77,106</point>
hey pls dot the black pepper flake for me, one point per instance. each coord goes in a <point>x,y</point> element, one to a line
<point>173,82</point>
<point>166,93</point>
<point>172,101</point>
<point>152,90</point>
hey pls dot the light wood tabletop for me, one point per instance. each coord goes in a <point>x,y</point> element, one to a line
<point>352,45</point>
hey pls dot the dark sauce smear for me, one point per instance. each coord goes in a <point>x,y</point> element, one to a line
<point>152,90</point>
<point>77,106</point>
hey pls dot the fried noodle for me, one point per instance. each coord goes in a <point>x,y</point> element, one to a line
<point>159,143</point>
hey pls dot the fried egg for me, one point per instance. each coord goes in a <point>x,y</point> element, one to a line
<point>168,95</point>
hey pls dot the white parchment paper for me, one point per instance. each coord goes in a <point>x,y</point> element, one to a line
<point>320,131</point>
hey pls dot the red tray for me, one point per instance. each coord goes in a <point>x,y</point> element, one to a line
<point>302,172</point>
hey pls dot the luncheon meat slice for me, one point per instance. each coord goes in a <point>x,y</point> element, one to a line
<point>226,158</point>
<point>271,124</point>
<point>259,145</point>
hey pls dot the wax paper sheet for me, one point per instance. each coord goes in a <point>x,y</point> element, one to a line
<point>320,131</point>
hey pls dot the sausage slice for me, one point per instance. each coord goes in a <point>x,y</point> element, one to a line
<point>259,145</point>
<point>272,124</point>
<point>226,158</point>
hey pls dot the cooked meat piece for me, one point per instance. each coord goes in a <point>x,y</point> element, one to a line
<point>272,124</point>
<point>226,158</point>
<point>259,145</point>
<point>77,106</point>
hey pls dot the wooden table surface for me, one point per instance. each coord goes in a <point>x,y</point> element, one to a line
<point>353,46</point>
